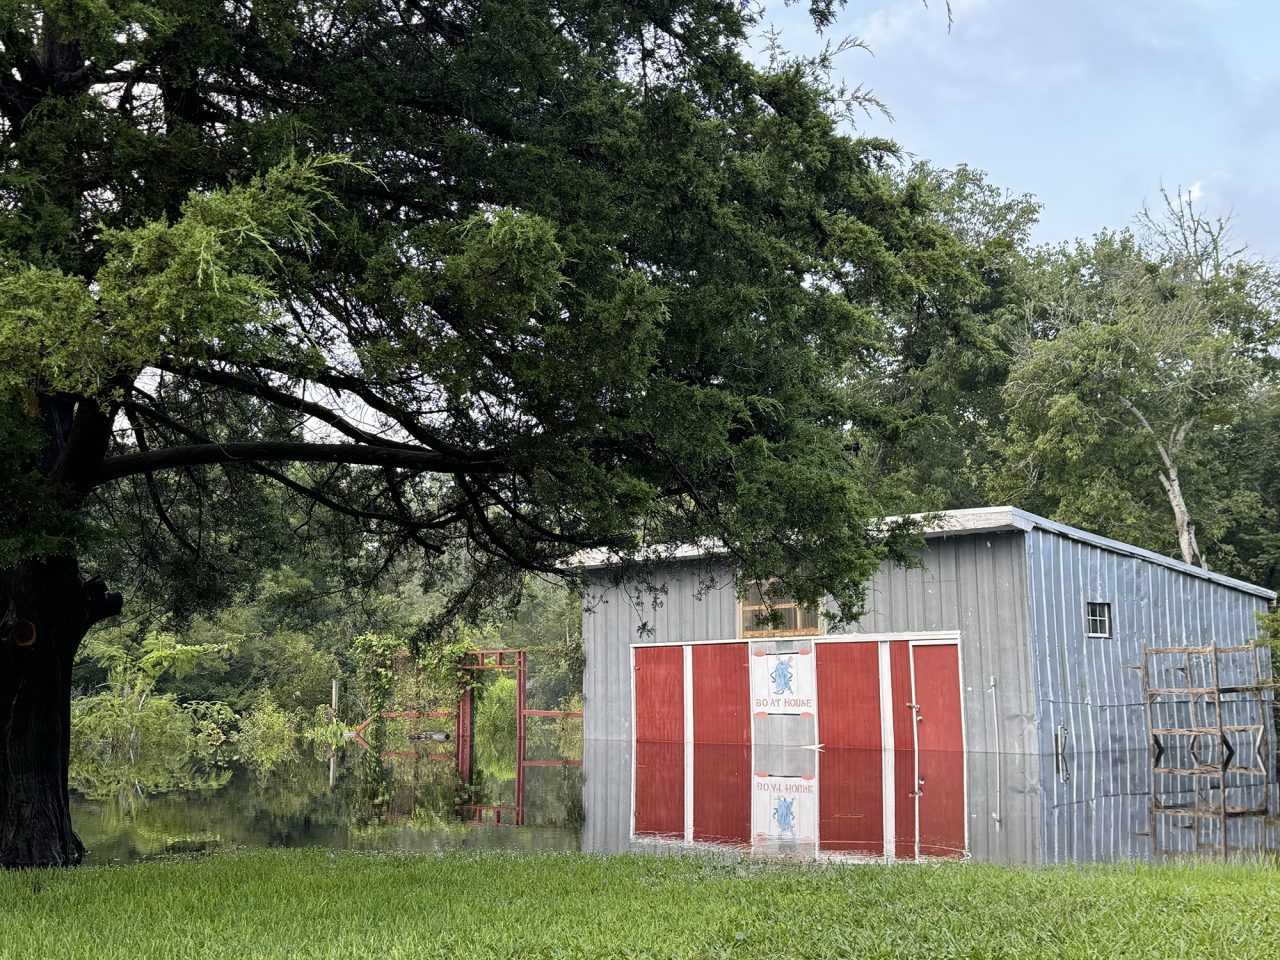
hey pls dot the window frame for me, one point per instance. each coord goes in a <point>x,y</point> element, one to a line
<point>758,608</point>
<point>1090,619</point>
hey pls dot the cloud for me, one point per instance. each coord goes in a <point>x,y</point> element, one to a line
<point>1089,104</point>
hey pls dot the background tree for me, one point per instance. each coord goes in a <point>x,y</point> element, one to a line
<point>492,282</point>
<point>1140,356</point>
<point>947,348</point>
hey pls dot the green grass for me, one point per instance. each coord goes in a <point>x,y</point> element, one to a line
<point>318,904</point>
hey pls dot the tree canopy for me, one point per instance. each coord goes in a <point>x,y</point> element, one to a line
<point>493,282</point>
<point>516,278</point>
<point>1129,386</point>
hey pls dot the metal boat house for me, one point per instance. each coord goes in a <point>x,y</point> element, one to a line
<point>971,701</point>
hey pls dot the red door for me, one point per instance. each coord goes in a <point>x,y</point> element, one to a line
<point>935,671</point>
<point>721,743</point>
<point>904,750</point>
<point>659,726</point>
<point>851,778</point>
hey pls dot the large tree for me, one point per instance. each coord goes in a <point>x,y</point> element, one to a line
<point>494,281</point>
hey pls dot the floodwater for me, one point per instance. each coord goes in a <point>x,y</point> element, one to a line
<point>832,804</point>
<point>361,801</point>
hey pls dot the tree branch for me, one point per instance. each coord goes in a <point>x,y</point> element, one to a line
<point>1165,457</point>
<point>252,451</point>
<point>281,398</point>
<point>359,387</point>
<point>404,519</point>
<point>154,492</point>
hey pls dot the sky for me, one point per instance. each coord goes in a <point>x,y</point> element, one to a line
<point>1090,105</point>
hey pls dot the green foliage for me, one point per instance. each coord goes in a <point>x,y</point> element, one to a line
<point>947,349</point>
<point>268,735</point>
<point>377,656</point>
<point>568,740</point>
<point>495,728</point>
<point>1136,363</point>
<point>599,303</point>
<point>129,743</point>
<point>178,289</point>
<point>1269,635</point>
<point>129,740</point>
<point>141,664</point>
<point>286,903</point>
<point>324,732</point>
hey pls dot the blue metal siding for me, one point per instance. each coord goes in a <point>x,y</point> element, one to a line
<point>1089,687</point>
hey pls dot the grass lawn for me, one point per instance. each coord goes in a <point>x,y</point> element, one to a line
<point>318,904</point>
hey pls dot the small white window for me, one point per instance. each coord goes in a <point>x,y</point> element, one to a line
<point>1099,619</point>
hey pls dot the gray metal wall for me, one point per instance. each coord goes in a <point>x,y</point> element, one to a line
<point>684,601</point>
<point>606,795</point>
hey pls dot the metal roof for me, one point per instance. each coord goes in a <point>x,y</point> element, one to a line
<point>959,523</point>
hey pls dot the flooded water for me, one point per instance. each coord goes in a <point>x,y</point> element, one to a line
<point>836,804</point>
<point>375,804</point>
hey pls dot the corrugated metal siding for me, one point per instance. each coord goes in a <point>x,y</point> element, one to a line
<point>606,795</point>
<point>974,585</point>
<point>1086,686</point>
<point>687,601</point>
<point>1017,601</point>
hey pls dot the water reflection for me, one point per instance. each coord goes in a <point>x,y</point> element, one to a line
<point>843,804</point>
<point>376,804</point>
<point>896,805</point>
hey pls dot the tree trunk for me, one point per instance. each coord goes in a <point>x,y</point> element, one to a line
<point>46,608</point>
<point>1182,519</point>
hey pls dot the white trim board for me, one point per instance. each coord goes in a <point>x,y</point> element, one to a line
<point>921,636</point>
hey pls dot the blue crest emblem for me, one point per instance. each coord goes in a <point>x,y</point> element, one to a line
<point>782,676</point>
<point>784,814</point>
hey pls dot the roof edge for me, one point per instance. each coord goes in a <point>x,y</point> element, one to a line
<point>960,523</point>
<point>1128,549</point>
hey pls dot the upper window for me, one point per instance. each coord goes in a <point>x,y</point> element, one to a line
<point>783,617</point>
<point>1098,616</point>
